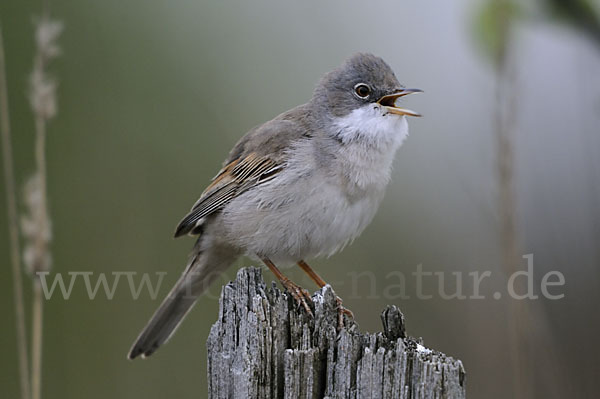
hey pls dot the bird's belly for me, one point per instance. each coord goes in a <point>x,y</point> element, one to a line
<point>287,223</point>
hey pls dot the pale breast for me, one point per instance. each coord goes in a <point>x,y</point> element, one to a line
<point>289,222</point>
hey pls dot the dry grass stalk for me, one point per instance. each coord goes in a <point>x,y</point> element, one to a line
<point>11,207</point>
<point>36,223</point>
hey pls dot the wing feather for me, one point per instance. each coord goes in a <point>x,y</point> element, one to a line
<point>235,177</point>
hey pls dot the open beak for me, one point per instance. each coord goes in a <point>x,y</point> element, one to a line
<point>389,102</point>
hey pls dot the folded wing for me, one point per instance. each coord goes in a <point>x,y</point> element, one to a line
<point>236,177</point>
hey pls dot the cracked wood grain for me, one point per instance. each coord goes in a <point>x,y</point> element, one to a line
<point>264,346</point>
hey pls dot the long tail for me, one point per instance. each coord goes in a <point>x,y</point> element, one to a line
<point>203,268</point>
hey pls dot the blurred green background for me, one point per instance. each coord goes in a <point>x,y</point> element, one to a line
<point>152,96</point>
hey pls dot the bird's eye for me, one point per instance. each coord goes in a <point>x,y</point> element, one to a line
<point>362,90</point>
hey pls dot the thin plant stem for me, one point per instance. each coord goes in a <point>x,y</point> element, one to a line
<point>518,323</point>
<point>11,207</point>
<point>40,241</point>
<point>38,300</point>
<point>36,341</point>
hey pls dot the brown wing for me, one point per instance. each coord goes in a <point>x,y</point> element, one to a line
<point>235,177</point>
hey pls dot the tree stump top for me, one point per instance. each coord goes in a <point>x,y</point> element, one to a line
<point>264,346</point>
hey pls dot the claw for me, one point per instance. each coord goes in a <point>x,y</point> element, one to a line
<point>300,295</point>
<point>341,312</point>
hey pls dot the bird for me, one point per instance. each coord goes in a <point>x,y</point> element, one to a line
<point>297,187</point>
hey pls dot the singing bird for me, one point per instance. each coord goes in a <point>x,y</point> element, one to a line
<point>301,185</point>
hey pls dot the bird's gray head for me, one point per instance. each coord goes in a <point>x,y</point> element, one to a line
<point>361,80</point>
<point>357,103</point>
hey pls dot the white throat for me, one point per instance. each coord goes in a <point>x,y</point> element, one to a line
<point>370,138</point>
<point>372,125</point>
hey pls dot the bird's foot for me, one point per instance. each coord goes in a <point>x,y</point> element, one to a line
<point>300,295</point>
<point>342,311</point>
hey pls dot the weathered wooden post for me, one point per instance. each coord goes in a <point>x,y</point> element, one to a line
<point>263,346</point>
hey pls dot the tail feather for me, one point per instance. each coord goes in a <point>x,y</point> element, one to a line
<point>202,270</point>
<point>165,320</point>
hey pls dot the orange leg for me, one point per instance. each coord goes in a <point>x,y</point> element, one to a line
<point>321,283</point>
<point>312,274</point>
<point>301,296</point>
